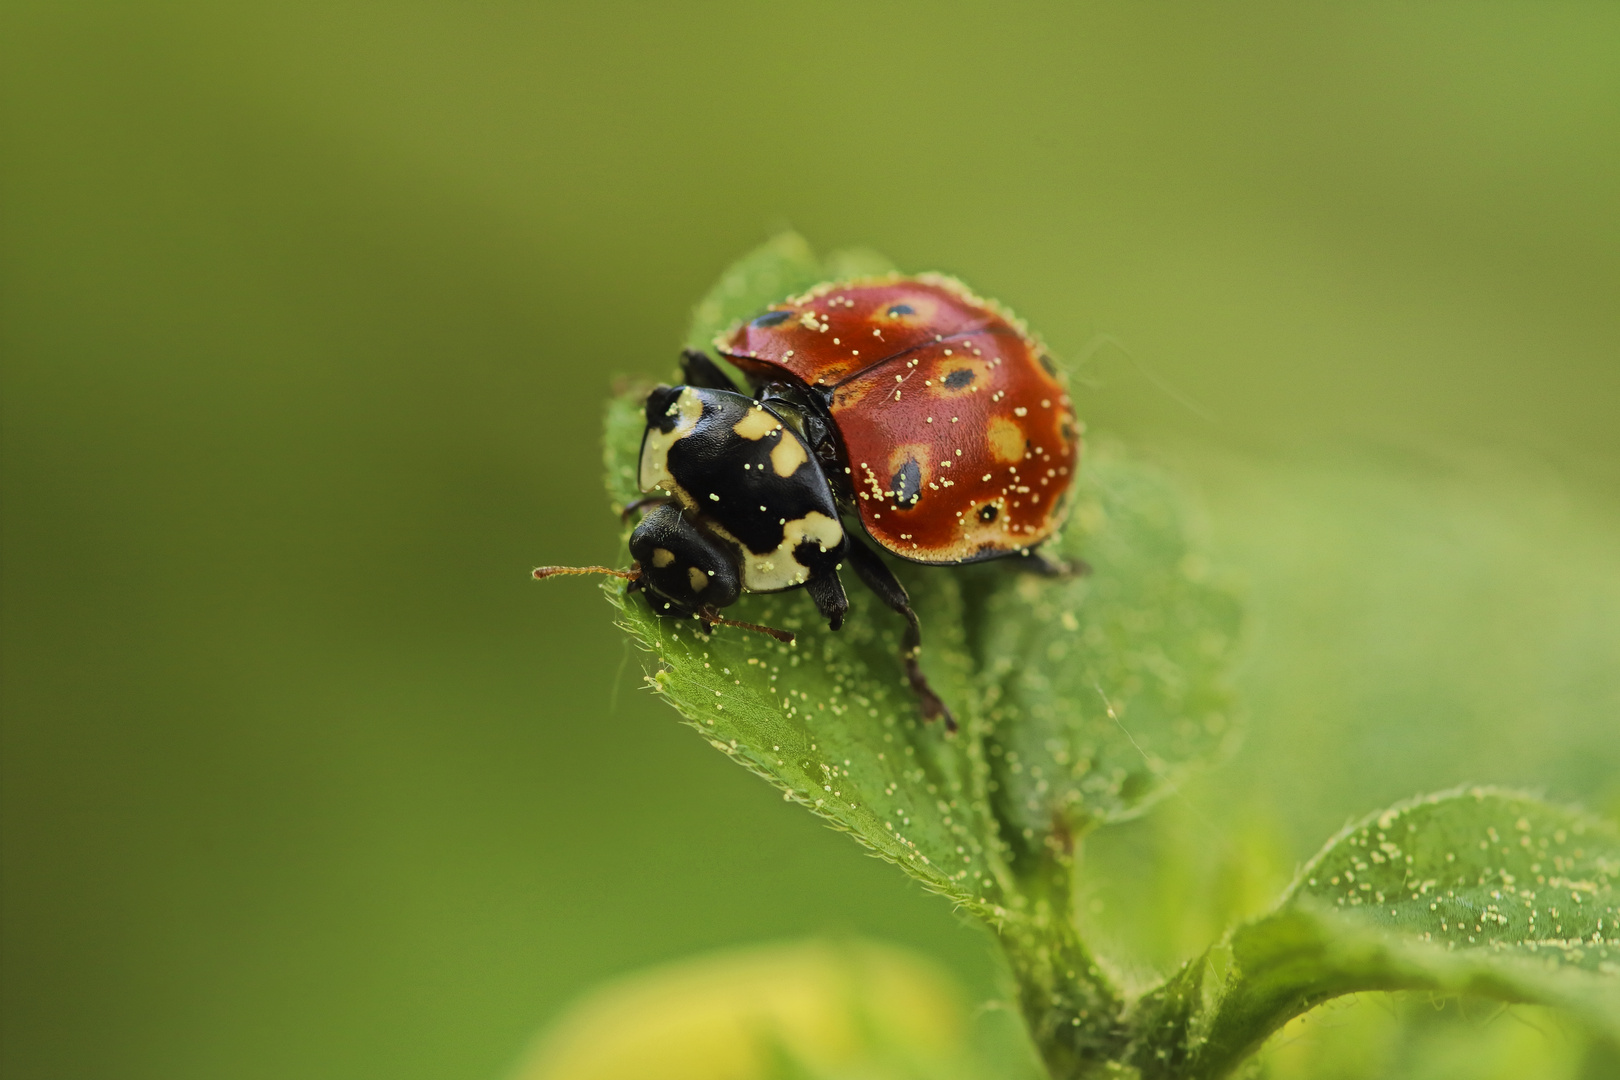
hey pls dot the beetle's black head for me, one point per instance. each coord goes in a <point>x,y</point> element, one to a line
<point>682,570</point>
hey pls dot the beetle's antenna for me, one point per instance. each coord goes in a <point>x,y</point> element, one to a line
<point>769,631</point>
<point>543,572</point>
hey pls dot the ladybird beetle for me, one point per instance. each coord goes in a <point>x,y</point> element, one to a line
<point>909,404</point>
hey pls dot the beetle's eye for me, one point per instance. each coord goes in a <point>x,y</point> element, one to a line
<point>772,318</point>
<point>901,309</point>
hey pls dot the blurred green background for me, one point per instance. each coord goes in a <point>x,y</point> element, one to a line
<point>307,313</point>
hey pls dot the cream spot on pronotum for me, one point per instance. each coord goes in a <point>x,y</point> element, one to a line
<point>654,470</point>
<point>787,456</point>
<point>756,424</point>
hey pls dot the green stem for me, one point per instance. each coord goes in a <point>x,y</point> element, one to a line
<point>1072,1010</point>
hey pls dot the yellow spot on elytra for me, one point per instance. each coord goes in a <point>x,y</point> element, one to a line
<point>756,424</point>
<point>1006,439</point>
<point>698,578</point>
<point>662,557</point>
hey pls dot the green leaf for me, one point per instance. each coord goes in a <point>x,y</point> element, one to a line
<point>1481,869</point>
<point>782,266</point>
<point>1477,892</point>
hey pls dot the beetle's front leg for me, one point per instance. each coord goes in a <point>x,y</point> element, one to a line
<point>828,593</point>
<point>643,503</point>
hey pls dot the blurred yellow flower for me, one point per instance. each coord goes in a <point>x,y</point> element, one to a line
<point>806,1008</point>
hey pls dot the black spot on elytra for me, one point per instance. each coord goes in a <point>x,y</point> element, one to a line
<point>773,318</point>
<point>959,378</point>
<point>901,309</point>
<point>1071,434</point>
<point>906,484</point>
<point>1046,362</point>
<point>988,514</point>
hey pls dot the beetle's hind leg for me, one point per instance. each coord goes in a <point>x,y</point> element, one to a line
<point>1038,562</point>
<point>881,580</point>
<point>698,370</point>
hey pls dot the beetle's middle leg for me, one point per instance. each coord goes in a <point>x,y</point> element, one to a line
<point>872,570</point>
<point>698,370</point>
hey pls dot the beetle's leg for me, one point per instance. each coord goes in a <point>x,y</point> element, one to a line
<point>698,370</point>
<point>1040,563</point>
<point>880,579</point>
<point>828,593</point>
<point>643,503</point>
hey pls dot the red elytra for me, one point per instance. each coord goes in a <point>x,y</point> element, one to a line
<point>961,437</point>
